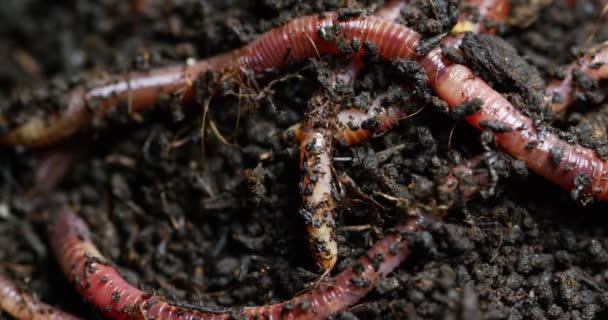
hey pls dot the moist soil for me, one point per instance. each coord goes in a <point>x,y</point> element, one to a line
<point>216,223</point>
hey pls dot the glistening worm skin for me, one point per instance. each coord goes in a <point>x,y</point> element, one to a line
<point>138,90</point>
<point>354,126</point>
<point>295,41</point>
<point>593,65</point>
<point>101,285</point>
<point>543,152</point>
<point>22,306</point>
<point>316,188</point>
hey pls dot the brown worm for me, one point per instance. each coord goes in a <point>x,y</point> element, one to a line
<point>353,126</point>
<point>318,203</point>
<point>22,306</point>
<point>101,284</point>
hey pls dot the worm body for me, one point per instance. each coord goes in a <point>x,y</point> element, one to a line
<point>138,91</point>
<point>295,41</point>
<point>593,65</point>
<point>354,126</point>
<point>303,38</point>
<point>317,200</point>
<point>545,153</point>
<point>101,285</point>
<point>23,306</point>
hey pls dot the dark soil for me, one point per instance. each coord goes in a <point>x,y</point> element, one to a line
<point>221,227</point>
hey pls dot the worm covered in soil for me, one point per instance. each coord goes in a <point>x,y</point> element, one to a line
<point>586,73</point>
<point>295,41</point>
<point>98,281</point>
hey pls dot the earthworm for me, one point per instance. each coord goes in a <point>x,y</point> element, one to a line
<point>137,90</point>
<point>564,164</point>
<point>315,137</point>
<point>299,39</point>
<point>101,284</point>
<point>23,306</point>
<point>590,69</point>
<point>318,203</point>
<point>571,167</point>
<point>353,126</point>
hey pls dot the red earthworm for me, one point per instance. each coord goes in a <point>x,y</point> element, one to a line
<point>101,284</point>
<point>543,152</point>
<point>572,167</point>
<point>593,65</point>
<point>299,39</point>
<point>23,306</point>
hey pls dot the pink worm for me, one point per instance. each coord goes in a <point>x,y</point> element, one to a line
<point>100,284</point>
<point>594,65</point>
<point>23,306</point>
<point>457,84</point>
<point>294,41</point>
